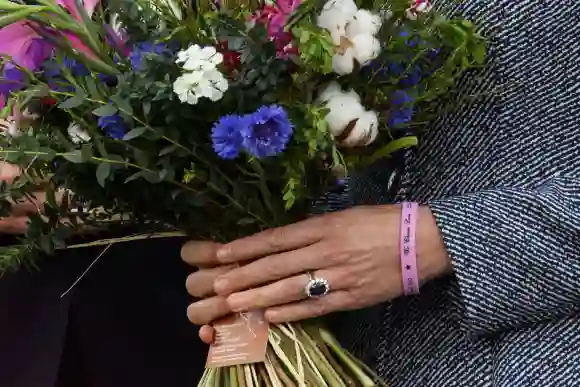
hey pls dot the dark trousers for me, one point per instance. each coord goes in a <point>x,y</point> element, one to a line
<point>124,324</point>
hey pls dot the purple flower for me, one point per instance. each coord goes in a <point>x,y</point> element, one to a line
<point>268,132</point>
<point>226,136</point>
<point>142,50</point>
<point>76,68</point>
<point>113,126</point>
<point>402,110</point>
<point>12,79</point>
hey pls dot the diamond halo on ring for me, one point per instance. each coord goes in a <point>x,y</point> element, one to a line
<point>316,287</point>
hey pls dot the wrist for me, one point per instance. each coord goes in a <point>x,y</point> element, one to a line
<point>432,257</point>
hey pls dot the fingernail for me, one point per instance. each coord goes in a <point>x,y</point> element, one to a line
<point>222,253</point>
<point>221,285</point>
<point>235,303</point>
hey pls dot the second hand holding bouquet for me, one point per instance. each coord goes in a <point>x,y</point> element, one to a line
<point>219,120</point>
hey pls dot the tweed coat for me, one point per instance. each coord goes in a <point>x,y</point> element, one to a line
<point>502,176</point>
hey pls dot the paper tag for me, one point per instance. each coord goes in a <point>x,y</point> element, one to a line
<point>239,339</point>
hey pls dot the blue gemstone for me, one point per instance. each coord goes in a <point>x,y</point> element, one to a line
<point>318,289</point>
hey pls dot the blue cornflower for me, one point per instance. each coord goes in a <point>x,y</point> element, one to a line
<point>402,110</point>
<point>12,79</point>
<point>268,131</point>
<point>76,68</point>
<point>141,50</point>
<point>226,136</point>
<point>113,126</point>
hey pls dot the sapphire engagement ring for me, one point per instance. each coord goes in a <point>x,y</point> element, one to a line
<point>316,287</point>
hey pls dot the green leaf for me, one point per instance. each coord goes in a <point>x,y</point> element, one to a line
<point>123,105</point>
<point>45,243</point>
<point>74,156</point>
<point>168,149</point>
<point>105,111</point>
<point>393,146</point>
<point>92,87</point>
<point>72,102</point>
<point>146,107</point>
<point>135,133</point>
<point>46,154</point>
<point>12,17</point>
<point>103,172</point>
<point>87,152</point>
<point>50,197</point>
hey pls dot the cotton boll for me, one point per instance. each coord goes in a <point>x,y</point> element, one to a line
<point>363,22</point>
<point>347,6</point>
<point>365,131</point>
<point>366,48</point>
<point>352,94</point>
<point>343,110</point>
<point>334,20</point>
<point>331,90</point>
<point>343,64</point>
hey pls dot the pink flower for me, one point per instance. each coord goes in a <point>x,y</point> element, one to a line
<point>275,16</point>
<point>28,49</point>
<point>23,45</point>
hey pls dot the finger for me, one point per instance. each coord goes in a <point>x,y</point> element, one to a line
<point>205,311</point>
<point>34,204</point>
<point>302,310</point>
<point>273,241</point>
<point>8,172</point>
<point>200,253</point>
<point>14,225</point>
<point>201,283</point>
<point>207,334</point>
<point>271,268</point>
<point>286,291</point>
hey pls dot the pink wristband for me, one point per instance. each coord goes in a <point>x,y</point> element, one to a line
<point>409,214</point>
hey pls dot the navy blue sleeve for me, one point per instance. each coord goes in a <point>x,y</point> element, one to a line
<point>516,253</point>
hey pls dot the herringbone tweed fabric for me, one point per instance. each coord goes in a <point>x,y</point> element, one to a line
<point>502,176</point>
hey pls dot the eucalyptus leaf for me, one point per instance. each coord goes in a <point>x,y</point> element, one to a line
<point>74,156</point>
<point>105,111</point>
<point>137,132</point>
<point>103,172</point>
<point>72,102</point>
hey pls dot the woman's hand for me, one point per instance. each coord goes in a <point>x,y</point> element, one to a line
<point>17,222</point>
<point>356,250</point>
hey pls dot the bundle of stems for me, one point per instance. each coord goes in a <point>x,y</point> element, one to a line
<point>298,355</point>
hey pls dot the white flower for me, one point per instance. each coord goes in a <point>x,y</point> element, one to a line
<point>190,87</point>
<point>196,58</point>
<point>77,135</point>
<point>202,79</point>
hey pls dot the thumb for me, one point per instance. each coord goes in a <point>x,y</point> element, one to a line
<point>207,334</point>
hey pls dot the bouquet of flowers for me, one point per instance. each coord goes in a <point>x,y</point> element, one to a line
<point>218,120</point>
